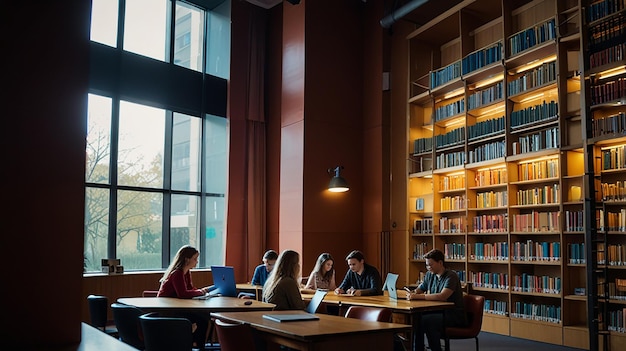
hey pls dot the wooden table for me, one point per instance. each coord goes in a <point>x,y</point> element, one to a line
<point>327,333</point>
<point>257,290</point>
<point>412,309</point>
<point>213,304</point>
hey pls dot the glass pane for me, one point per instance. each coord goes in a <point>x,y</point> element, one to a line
<point>186,153</point>
<point>139,233</point>
<point>216,154</point>
<point>104,15</point>
<point>99,113</point>
<point>218,41</point>
<point>185,225</point>
<point>141,144</point>
<point>96,227</point>
<point>189,36</point>
<point>145,27</point>
<point>215,233</point>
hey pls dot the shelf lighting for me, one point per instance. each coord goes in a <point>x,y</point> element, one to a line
<point>612,147</point>
<point>549,157</point>
<point>455,173</point>
<point>612,72</point>
<point>490,168</point>
<point>454,122</point>
<point>454,93</point>
<point>535,63</point>
<point>494,110</point>
<point>489,81</point>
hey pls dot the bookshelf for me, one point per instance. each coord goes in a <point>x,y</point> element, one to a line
<point>507,103</point>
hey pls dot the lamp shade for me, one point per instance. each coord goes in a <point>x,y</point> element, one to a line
<point>337,183</point>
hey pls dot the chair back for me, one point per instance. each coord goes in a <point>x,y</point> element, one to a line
<point>126,319</point>
<point>161,333</point>
<point>98,310</point>
<point>315,302</point>
<point>234,337</point>
<point>474,305</point>
<point>374,314</point>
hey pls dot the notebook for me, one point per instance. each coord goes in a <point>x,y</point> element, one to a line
<point>224,281</point>
<point>291,317</point>
<point>390,285</point>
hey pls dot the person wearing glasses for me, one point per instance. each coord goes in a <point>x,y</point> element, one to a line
<point>262,271</point>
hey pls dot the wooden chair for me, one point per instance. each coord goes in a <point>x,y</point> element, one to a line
<point>234,337</point>
<point>163,333</point>
<point>98,314</point>
<point>474,305</point>
<point>374,314</point>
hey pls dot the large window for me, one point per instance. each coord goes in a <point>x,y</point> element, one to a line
<point>156,159</point>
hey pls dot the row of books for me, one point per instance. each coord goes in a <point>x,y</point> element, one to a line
<point>543,169</point>
<point>452,182</point>
<point>454,251</point>
<point>449,110</point>
<point>452,137</point>
<point>422,145</point>
<point>614,124</point>
<point>529,250</point>
<point>423,226</point>
<point>492,199</point>
<point>541,140</point>
<point>608,92</point>
<point>482,58</point>
<point>489,280</point>
<point>486,128</point>
<point>450,159</point>
<point>445,74</point>
<point>451,203</point>
<point>614,191</point>
<point>536,222</point>
<point>495,307</point>
<point>614,158</point>
<point>530,283</point>
<point>492,223</point>
<point>574,221</point>
<point>532,36</point>
<point>533,114</point>
<point>536,312</point>
<point>485,96</point>
<point>548,194</point>
<point>486,152</point>
<point>419,250</point>
<point>492,176</point>
<point>544,74</point>
<point>498,251</point>
<point>616,320</point>
<point>609,55</point>
<point>613,255</point>
<point>600,9</point>
<point>452,225</point>
<point>577,253</point>
<point>610,31</point>
<point>615,289</point>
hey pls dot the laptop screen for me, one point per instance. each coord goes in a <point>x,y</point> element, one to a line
<point>224,280</point>
<point>390,285</point>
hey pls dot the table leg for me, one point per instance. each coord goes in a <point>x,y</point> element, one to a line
<point>417,336</point>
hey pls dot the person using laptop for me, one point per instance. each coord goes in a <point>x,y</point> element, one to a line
<point>262,271</point>
<point>282,288</point>
<point>440,284</point>
<point>323,274</point>
<point>362,279</point>
<point>176,282</point>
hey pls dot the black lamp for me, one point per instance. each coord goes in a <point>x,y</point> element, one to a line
<point>337,183</point>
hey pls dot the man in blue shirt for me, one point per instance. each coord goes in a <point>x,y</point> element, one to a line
<point>262,271</point>
<point>362,279</point>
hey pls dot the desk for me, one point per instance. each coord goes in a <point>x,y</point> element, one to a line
<point>327,333</point>
<point>257,290</point>
<point>213,304</point>
<point>93,339</point>
<point>412,309</point>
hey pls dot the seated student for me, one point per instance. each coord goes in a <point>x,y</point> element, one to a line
<point>262,271</point>
<point>440,284</point>
<point>362,279</point>
<point>176,282</point>
<point>282,288</point>
<point>323,274</point>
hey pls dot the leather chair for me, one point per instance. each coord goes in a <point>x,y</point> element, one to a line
<point>474,305</point>
<point>374,314</point>
<point>234,337</point>
<point>98,314</point>
<point>161,333</point>
<point>126,319</point>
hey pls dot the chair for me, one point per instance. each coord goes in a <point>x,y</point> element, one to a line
<point>235,336</point>
<point>161,333</point>
<point>126,319</point>
<point>150,293</point>
<point>98,313</point>
<point>316,300</point>
<point>474,305</point>
<point>374,314</point>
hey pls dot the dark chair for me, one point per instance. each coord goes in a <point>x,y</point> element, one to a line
<point>149,293</point>
<point>374,314</point>
<point>126,319</point>
<point>161,333</point>
<point>474,305</point>
<point>234,337</point>
<point>98,314</point>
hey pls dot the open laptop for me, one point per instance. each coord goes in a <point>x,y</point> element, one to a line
<point>224,281</point>
<point>316,300</point>
<point>390,285</point>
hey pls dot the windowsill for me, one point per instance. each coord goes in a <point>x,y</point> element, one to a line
<point>159,272</point>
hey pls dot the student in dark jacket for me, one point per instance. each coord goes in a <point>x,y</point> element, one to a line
<point>362,279</point>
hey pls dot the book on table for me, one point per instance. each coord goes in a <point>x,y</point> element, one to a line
<point>291,317</point>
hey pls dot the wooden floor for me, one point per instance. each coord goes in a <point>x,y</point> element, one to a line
<point>496,342</point>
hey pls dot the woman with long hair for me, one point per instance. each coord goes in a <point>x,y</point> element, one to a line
<point>282,288</point>
<point>323,274</point>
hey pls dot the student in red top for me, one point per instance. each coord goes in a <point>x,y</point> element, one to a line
<point>176,282</point>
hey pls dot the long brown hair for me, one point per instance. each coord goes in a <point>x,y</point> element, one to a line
<point>287,265</point>
<point>184,253</point>
<point>319,266</point>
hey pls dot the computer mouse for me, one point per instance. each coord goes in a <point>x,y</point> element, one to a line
<point>248,302</point>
